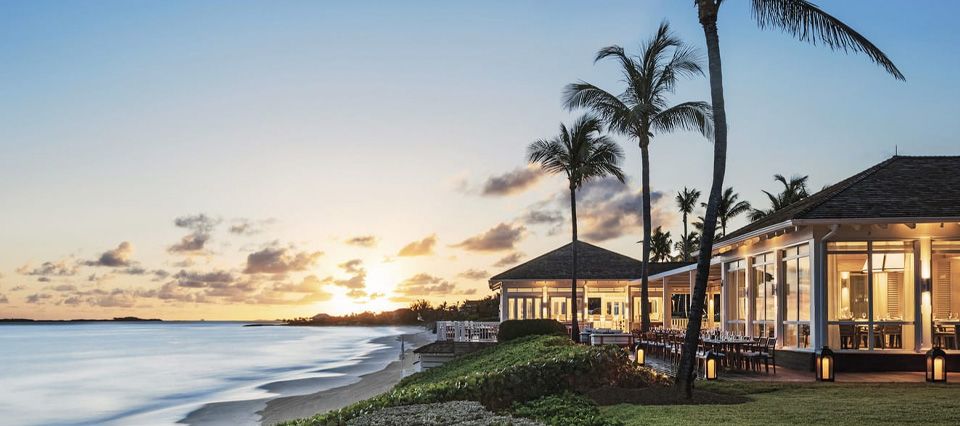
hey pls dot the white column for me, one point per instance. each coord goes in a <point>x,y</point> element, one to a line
<point>503,302</point>
<point>724,294</point>
<point>926,297</point>
<point>751,305</point>
<point>666,304</point>
<point>818,294</point>
<point>781,282</point>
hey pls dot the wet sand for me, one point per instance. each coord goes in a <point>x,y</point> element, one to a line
<point>353,383</point>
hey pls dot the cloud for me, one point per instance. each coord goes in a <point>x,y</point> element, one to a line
<point>424,285</point>
<point>202,279</point>
<point>498,238</point>
<point>509,260</point>
<point>118,298</point>
<point>423,247</point>
<point>357,294</point>
<point>278,260</point>
<point>120,256</point>
<point>243,226</point>
<point>60,268</point>
<point>362,241</point>
<point>64,288</point>
<point>38,298</point>
<point>18,288</point>
<point>474,274</point>
<point>610,210</point>
<point>358,279</point>
<point>606,209</point>
<point>3,298</point>
<point>200,227</point>
<point>512,182</point>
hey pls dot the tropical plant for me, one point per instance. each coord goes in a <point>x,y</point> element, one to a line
<point>581,154</point>
<point>794,190</point>
<point>690,243</point>
<point>641,111</point>
<point>806,22</point>
<point>660,245</point>
<point>686,202</point>
<point>730,207</point>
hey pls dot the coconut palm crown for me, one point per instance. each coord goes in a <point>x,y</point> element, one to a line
<point>581,154</point>
<point>641,110</point>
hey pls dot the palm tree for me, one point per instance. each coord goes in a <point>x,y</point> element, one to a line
<point>642,110</point>
<point>660,245</point>
<point>730,207</point>
<point>690,243</point>
<point>794,190</point>
<point>686,202</point>
<point>581,154</point>
<point>806,22</point>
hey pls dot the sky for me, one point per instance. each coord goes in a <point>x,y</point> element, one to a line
<point>260,160</point>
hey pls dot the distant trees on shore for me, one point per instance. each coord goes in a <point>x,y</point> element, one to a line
<point>421,312</point>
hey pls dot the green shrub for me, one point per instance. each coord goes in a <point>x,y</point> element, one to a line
<point>515,371</point>
<point>566,409</point>
<point>514,329</point>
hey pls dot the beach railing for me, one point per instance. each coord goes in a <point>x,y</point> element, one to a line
<point>467,331</point>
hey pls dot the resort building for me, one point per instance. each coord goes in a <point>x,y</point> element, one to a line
<point>540,288</point>
<point>869,266</point>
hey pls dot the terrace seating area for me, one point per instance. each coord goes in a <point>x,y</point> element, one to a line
<point>734,353</point>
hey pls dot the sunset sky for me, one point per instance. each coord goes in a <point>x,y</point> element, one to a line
<point>269,159</point>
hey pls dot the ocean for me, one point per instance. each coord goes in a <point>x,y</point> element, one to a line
<point>148,373</point>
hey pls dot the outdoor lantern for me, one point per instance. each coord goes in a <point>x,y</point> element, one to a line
<point>936,365</point>
<point>825,364</point>
<point>641,358</point>
<point>710,370</point>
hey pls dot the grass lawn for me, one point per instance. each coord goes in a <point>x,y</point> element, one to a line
<point>807,403</point>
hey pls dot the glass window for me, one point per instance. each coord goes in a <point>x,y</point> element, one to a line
<point>736,284</point>
<point>764,295</point>
<point>945,293</point>
<point>870,296</point>
<point>796,324</point>
<point>679,305</point>
<point>593,305</point>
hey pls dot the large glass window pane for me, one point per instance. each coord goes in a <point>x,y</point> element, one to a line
<point>945,293</point>
<point>796,265</point>
<point>736,284</point>
<point>870,296</point>
<point>764,295</point>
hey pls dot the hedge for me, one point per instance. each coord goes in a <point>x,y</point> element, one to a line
<point>515,329</point>
<point>573,368</point>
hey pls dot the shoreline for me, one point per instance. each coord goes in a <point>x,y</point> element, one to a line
<point>349,384</point>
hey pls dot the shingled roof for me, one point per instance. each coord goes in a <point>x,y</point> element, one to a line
<point>901,187</point>
<point>594,263</point>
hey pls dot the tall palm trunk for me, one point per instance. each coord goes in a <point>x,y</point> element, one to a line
<point>708,19</point>
<point>686,239</point>
<point>574,328</point>
<point>645,278</point>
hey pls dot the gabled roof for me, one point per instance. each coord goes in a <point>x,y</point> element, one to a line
<point>900,187</point>
<point>593,263</point>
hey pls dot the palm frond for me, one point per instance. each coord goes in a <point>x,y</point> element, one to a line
<point>809,23</point>
<point>696,116</point>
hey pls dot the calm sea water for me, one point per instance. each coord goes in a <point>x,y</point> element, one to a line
<point>156,373</point>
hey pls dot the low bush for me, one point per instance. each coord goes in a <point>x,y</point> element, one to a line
<point>566,409</point>
<point>515,329</point>
<point>521,370</point>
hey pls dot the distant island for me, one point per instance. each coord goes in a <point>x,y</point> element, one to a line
<point>117,319</point>
<point>420,312</point>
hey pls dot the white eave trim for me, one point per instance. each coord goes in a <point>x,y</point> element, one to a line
<point>870,221</point>
<point>757,233</point>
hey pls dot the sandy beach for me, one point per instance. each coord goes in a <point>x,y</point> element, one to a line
<point>347,384</point>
